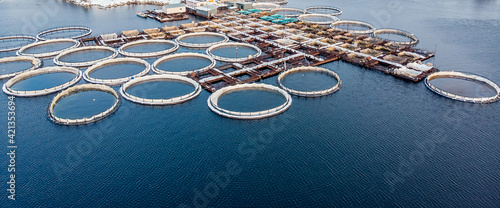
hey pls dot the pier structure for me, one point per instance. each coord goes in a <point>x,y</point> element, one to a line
<point>85,31</point>
<point>466,76</point>
<point>310,93</point>
<point>179,39</point>
<point>57,60</point>
<point>87,74</point>
<point>156,70</point>
<point>82,121</point>
<point>290,45</point>
<point>123,49</point>
<point>294,45</point>
<point>32,93</point>
<point>158,102</point>
<point>21,51</point>
<point>35,64</point>
<point>214,99</point>
<point>4,40</point>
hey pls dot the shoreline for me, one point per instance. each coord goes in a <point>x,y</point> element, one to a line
<point>118,3</point>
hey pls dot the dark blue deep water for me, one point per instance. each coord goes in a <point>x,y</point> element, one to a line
<point>378,142</point>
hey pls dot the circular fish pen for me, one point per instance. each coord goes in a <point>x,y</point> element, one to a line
<point>115,81</point>
<point>326,10</point>
<point>196,40</point>
<point>265,6</point>
<point>87,49</point>
<point>412,39</point>
<point>214,98</point>
<point>7,87</point>
<point>15,42</point>
<point>140,54</point>
<point>73,32</point>
<point>160,78</point>
<point>318,19</point>
<point>352,26</point>
<point>255,52</point>
<point>58,46</point>
<point>461,75</point>
<point>310,93</point>
<point>184,61</point>
<point>35,64</point>
<point>279,2</point>
<point>288,12</point>
<point>86,120</point>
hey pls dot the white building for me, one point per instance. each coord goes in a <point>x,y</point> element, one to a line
<point>196,3</point>
<point>174,8</point>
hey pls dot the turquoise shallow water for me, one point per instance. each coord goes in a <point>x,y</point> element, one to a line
<point>378,142</point>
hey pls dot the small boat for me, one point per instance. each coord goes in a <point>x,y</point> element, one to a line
<point>141,14</point>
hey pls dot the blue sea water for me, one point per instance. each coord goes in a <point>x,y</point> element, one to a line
<point>83,104</point>
<point>202,39</point>
<point>149,47</point>
<point>184,64</point>
<point>161,90</point>
<point>378,142</point>
<point>12,67</point>
<point>84,56</point>
<point>234,52</point>
<point>43,81</point>
<point>115,71</point>
<point>49,47</point>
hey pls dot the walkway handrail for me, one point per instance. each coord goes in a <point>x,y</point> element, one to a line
<point>462,75</point>
<point>8,38</point>
<point>310,93</point>
<point>70,28</point>
<point>122,49</point>
<point>80,88</point>
<point>201,45</point>
<point>86,63</point>
<point>225,59</point>
<point>7,86</point>
<point>162,77</point>
<point>213,102</point>
<point>117,81</point>
<point>21,52</point>
<point>156,70</point>
<point>35,64</point>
